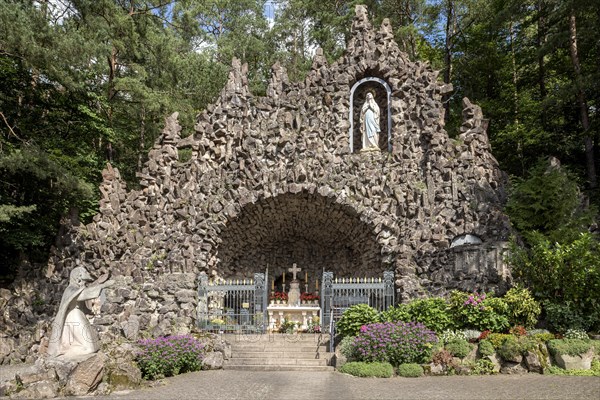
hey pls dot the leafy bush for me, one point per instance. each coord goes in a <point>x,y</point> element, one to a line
<point>363,369</point>
<point>576,334</point>
<point>496,339</point>
<point>348,349</point>
<point>483,366</point>
<point>571,347</point>
<point>510,349</point>
<point>168,356</point>
<point>562,317</point>
<point>543,337</point>
<point>442,357</point>
<point>410,370</point>
<point>486,348</point>
<point>565,278</point>
<point>394,314</point>
<point>395,342</point>
<point>448,336</point>
<point>518,330</point>
<point>478,311</point>
<point>355,317</point>
<point>523,309</point>
<point>459,348</point>
<point>432,312</point>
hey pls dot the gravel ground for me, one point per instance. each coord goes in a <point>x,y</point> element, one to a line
<point>216,385</point>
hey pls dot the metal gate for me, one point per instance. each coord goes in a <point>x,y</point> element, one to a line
<point>234,305</point>
<point>337,295</point>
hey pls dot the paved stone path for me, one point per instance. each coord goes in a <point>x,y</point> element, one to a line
<point>221,385</point>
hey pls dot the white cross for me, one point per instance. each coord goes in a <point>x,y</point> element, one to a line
<point>294,270</point>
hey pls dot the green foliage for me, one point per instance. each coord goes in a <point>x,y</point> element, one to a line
<point>347,348</point>
<point>594,371</point>
<point>410,370</point>
<point>523,309</point>
<point>486,348</point>
<point>548,201</point>
<point>479,312</point>
<point>432,312</point>
<point>355,317</point>
<point>510,348</point>
<point>459,348</point>
<point>398,313</point>
<point>565,277</point>
<point>497,339</point>
<point>368,370</point>
<point>543,337</point>
<point>571,347</point>
<point>483,366</point>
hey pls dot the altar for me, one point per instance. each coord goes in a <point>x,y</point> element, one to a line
<point>303,315</point>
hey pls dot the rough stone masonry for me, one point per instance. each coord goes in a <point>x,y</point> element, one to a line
<point>273,181</point>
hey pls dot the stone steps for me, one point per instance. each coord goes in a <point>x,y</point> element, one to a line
<point>274,352</point>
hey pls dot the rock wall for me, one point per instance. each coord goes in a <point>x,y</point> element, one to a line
<point>270,181</point>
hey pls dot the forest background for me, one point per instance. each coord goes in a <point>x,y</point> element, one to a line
<point>83,82</point>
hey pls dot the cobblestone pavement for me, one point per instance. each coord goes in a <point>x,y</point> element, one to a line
<point>215,385</point>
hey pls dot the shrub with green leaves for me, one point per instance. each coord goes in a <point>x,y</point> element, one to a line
<point>348,349</point>
<point>483,366</point>
<point>433,313</point>
<point>543,337</point>
<point>523,309</point>
<point>410,370</point>
<point>594,371</point>
<point>496,339</point>
<point>170,355</point>
<point>458,347</point>
<point>561,317</point>
<point>355,317</point>
<point>570,347</point>
<point>394,314</point>
<point>478,311</point>
<point>510,349</point>
<point>486,348</point>
<point>370,370</point>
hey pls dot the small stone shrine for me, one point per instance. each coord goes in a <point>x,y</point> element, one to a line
<point>349,171</point>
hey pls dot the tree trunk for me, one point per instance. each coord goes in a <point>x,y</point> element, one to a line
<point>581,99</point>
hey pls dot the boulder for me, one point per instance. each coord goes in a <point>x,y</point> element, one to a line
<point>583,361</point>
<point>533,362</point>
<point>39,390</point>
<point>512,368</point>
<point>86,376</point>
<point>213,360</point>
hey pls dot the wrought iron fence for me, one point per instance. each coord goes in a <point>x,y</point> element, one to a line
<point>339,294</point>
<point>232,306</point>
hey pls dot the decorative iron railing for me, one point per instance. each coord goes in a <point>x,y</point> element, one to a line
<point>234,305</point>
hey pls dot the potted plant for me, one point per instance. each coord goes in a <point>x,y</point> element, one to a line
<point>306,297</point>
<point>280,297</point>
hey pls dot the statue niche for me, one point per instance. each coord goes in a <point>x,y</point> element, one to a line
<point>376,92</point>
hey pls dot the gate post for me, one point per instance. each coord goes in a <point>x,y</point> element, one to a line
<point>326,298</point>
<point>260,302</point>
<point>388,290</point>
<point>202,308</point>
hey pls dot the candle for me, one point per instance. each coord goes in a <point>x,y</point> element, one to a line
<point>317,284</point>
<point>283,277</point>
<point>273,285</point>
<point>306,276</point>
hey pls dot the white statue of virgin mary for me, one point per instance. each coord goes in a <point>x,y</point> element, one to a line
<point>369,124</point>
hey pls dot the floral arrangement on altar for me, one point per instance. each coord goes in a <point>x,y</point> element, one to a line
<point>309,296</point>
<point>283,296</point>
